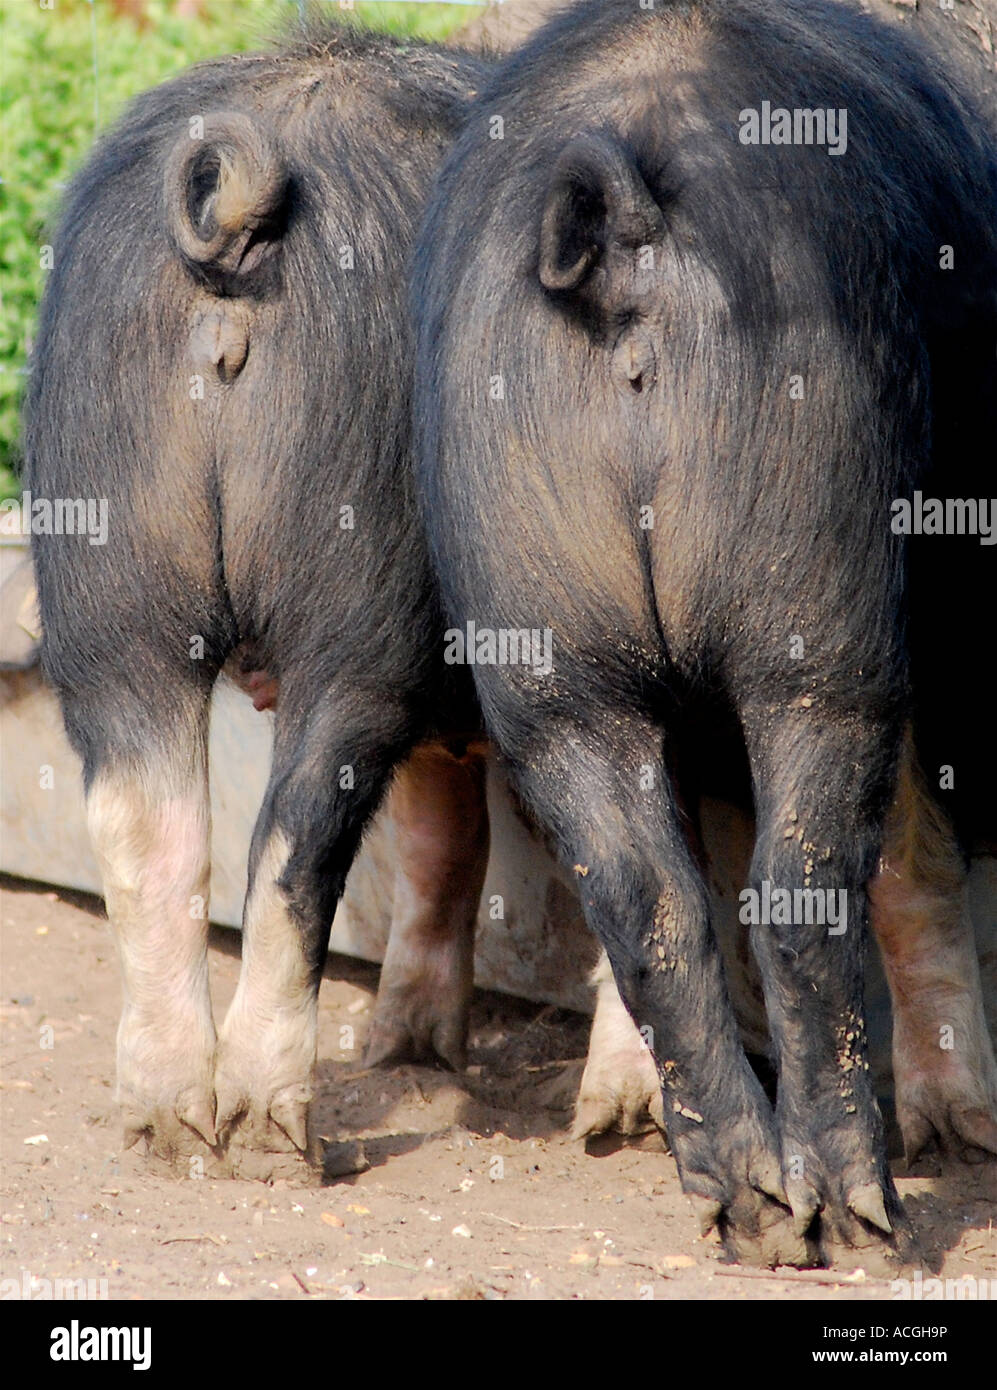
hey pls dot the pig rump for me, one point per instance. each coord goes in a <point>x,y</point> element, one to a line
<point>684,379</point>
<point>209,364</point>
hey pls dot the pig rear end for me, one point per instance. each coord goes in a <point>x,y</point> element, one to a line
<point>683,375</point>
<point>222,361</point>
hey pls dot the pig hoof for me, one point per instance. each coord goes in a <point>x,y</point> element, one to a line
<point>256,1151</point>
<point>758,1230</point>
<point>268,1140</point>
<point>946,1098</point>
<point>165,1089</point>
<point>855,1218</point>
<point>962,1125</point>
<point>171,1134</point>
<point>866,1227</point>
<point>620,1088</point>
<point>756,1224</point>
<point>620,1091</point>
<point>739,1189</point>
<point>263,1096</point>
<point>409,1026</point>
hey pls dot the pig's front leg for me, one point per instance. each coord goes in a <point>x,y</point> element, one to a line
<point>441,835</point>
<point>943,1059</point>
<point>620,1089</point>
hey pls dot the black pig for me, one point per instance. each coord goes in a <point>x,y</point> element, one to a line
<point>682,371</point>
<point>223,357</point>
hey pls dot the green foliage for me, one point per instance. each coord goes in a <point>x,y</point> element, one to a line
<point>52,103</point>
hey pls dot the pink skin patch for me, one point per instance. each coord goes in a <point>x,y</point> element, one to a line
<point>261,688</point>
<point>255,681</point>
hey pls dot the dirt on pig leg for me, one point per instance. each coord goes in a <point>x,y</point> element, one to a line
<point>644,897</point>
<point>823,787</point>
<point>619,1088</point>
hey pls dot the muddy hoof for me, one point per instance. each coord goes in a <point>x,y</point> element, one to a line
<point>268,1137</point>
<point>852,1210</point>
<point>865,1226</point>
<point>961,1125</point>
<point>754,1220</point>
<point>734,1175</point>
<point>258,1150</point>
<point>757,1229</point>
<point>407,1027</point>
<point>166,1088</point>
<point>168,1144</point>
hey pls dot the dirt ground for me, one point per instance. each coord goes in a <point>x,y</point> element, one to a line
<point>472,1189</point>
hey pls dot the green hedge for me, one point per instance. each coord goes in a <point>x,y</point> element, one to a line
<point>48,121</point>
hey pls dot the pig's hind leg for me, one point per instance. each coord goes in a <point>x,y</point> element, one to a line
<point>602,786</point>
<point>149,818</point>
<point>822,781</point>
<point>333,755</point>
